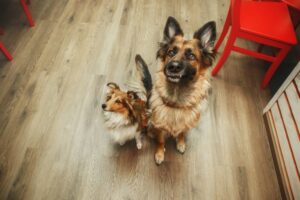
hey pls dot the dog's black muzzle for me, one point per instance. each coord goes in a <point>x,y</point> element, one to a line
<point>178,71</point>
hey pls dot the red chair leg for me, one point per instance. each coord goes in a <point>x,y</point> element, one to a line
<point>5,51</point>
<point>224,31</point>
<point>281,55</point>
<point>295,16</point>
<point>27,12</point>
<point>225,54</point>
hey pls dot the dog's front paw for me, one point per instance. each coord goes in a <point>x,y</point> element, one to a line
<point>159,157</point>
<point>181,147</point>
<point>139,145</point>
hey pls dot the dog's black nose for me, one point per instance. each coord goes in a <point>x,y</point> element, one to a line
<point>103,106</point>
<point>174,67</point>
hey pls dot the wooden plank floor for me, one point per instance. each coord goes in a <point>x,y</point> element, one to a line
<point>52,141</point>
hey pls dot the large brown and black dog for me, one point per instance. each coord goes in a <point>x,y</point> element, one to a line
<point>181,85</point>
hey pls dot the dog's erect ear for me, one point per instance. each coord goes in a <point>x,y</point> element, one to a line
<point>112,85</point>
<point>172,29</point>
<point>207,36</point>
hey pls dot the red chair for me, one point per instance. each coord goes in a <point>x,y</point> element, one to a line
<point>294,11</point>
<point>267,23</point>
<point>5,51</point>
<point>27,11</point>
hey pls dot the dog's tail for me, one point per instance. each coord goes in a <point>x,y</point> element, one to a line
<point>144,72</point>
<point>140,80</point>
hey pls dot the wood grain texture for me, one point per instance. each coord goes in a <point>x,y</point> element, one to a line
<point>53,144</point>
<point>288,157</point>
<point>297,84</point>
<point>276,153</point>
<point>294,101</point>
<point>291,129</point>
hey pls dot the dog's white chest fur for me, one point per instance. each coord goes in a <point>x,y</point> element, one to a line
<point>123,134</point>
<point>120,129</point>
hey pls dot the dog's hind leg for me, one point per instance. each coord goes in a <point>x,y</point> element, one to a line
<point>160,150</point>
<point>138,140</point>
<point>180,142</point>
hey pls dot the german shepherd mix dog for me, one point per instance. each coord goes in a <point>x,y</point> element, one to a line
<point>125,113</point>
<point>182,83</point>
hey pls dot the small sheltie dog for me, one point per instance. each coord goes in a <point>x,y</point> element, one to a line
<point>182,82</point>
<point>125,113</point>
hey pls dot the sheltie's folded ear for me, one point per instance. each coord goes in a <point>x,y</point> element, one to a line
<point>132,95</point>
<point>128,104</point>
<point>112,86</point>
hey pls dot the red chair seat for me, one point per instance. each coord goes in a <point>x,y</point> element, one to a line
<point>265,19</point>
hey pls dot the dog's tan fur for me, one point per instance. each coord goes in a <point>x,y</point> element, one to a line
<point>175,117</point>
<point>177,108</point>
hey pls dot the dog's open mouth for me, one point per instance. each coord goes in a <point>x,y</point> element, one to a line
<point>174,78</point>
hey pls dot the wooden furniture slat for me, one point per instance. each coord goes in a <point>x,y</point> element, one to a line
<point>294,102</point>
<point>281,171</point>
<point>297,84</point>
<point>297,128</point>
<point>287,156</point>
<point>285,84</point>
<point>291,129</point>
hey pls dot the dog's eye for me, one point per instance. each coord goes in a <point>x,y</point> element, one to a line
<point>191,57</point>
<point>108,98</point>
<point>118,101</point>
<point>172,52</point>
